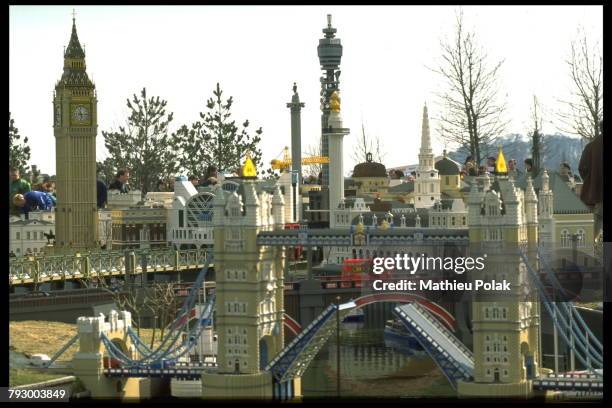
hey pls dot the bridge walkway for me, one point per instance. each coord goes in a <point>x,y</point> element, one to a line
<point>450,354</point>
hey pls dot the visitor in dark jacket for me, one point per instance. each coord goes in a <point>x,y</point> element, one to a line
<point>121,181</point>
<point>591,171</point>
<point>102,194</point>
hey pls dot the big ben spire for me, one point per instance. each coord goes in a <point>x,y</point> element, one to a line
<point>74,62</point>
<point>74,49</point>
<point>75,128</point>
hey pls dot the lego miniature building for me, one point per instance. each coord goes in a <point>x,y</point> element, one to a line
<point>249,291</point>
<point>139,227</point>
<point>75,126</point>
<point>427,182</point>
<point>503,220</point>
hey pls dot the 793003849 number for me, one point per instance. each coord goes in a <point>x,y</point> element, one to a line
<point>55,394</point>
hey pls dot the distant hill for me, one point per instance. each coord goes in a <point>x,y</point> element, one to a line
<point>556,148</point>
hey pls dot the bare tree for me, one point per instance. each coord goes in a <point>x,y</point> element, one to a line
<point>379,152</point>
<point>365,144</point>
<point>163,304</point>
<point>313,170</point>
<point>584,108</point>
<point>472,116</point>
<point>130,298</point>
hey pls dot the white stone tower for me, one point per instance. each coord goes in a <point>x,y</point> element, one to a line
<point>427,183</point>
<point>249,291</point>
<point>545,214</point>
<point>506,324</point>
<point>335,133</point>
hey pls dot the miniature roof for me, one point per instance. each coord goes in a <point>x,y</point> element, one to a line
<point>407,187</point>
<point>447,166</point>
<point>74,49</point>
<point>565,201</point>
<point>370,169</point>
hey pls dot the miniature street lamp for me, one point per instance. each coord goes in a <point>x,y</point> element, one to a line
<point>338,345</point>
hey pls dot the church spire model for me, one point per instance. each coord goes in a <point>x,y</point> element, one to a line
<point>75,127</point>
<point>427,183</point>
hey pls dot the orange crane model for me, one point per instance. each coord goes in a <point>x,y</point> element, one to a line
<point>285,163</point>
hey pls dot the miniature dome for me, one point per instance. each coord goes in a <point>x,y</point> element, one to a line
<point>370,169</point>
<point>447,167</point>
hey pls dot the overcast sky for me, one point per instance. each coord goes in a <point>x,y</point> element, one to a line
<point>256,53</point>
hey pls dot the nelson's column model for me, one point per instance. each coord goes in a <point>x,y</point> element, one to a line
<point>75,127</point>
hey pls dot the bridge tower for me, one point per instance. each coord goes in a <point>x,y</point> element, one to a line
<point>75,126</point>
<point>88,362</point>
<point>545,215</point>
<point>506,324</point>
<point>249,292</point>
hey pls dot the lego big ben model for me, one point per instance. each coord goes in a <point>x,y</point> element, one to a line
<point>75,127</point>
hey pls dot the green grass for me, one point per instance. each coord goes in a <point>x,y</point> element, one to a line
<point>23,376</point>
<point>32,337</point>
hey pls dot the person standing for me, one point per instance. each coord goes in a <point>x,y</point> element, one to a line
<point>17,186</point>
<point>121,181</point>
<point>528,167</point>
<point>470,167</point>
<point>591,171</point>
<point>101,193</point>
<point>212,176</point>
<point>512,169</point>
<point>491,165</point>
<point>194,180</point>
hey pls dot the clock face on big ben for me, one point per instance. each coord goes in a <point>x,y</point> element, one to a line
<point>80,114</point>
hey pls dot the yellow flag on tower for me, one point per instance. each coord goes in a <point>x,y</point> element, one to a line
<point>249,170</point>
<point>500,163</point>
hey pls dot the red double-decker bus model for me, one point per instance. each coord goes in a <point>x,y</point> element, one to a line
<point>360,269</point>
<point>297,251</point>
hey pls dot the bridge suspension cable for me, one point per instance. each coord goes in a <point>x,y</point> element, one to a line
<point>560,322</point>
<point>570,307</point>
<point>168,345</point>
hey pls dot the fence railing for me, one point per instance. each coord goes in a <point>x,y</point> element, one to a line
<point>85,265</point>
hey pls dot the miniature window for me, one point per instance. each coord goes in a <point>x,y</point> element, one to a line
<point>565,239</point>
<point>580,238</point>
